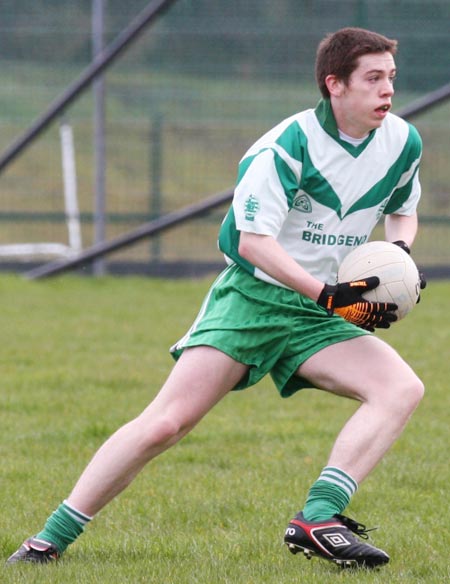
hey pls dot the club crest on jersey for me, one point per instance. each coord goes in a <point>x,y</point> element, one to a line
<point>251,208</point>
<point>302,203</point>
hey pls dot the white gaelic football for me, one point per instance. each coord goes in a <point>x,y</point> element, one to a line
<point>399,276</point>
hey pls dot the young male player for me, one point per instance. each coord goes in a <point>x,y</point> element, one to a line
<point>308,192</point>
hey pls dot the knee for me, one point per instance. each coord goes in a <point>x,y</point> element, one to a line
<point>416,392</point>
<point>165,429</point>
<point>158,432</point>
<point>419,390</point>
<point>406,394</point>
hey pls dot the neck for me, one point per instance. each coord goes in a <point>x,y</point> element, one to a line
<point>350,139</point>
<point>346,125</point>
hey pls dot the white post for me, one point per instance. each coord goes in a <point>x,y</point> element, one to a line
<point>70,187</point>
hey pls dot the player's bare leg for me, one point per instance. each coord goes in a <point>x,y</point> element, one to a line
<point>370,371</point>
<point>199,379</point>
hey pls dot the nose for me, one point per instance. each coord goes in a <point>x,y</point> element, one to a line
<point>388,88</point>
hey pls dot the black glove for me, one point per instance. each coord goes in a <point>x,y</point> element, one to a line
<point>346,300</point>
<point>405,247</point>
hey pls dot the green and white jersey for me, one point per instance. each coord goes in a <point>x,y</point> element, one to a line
<point>317,195</point>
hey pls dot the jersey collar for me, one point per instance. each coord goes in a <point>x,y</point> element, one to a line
<point>325,116</point>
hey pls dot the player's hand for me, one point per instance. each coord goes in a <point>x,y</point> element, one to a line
<point>405,247</point>
<point>346,300</point>
<point>422,284</point>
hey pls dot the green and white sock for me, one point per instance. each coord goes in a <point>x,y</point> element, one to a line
<point>329,495</point>
<point>64,526</point>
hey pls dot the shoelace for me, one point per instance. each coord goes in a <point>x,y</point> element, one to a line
<point>358,528</point>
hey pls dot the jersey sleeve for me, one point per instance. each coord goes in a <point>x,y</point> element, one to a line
<point>264,193</point>
<point>406,195</point>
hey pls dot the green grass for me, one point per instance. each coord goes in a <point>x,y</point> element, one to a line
<point>82,356</point>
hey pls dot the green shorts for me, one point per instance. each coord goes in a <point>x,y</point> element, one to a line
<point>271,329</point>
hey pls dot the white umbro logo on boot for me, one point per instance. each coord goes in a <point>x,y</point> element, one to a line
<point>335,539</point>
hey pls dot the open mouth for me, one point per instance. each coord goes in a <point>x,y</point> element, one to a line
<point>383,108</point>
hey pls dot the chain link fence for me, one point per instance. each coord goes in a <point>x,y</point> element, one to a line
<point>182,106</point>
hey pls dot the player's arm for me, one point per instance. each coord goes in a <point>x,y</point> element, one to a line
<point>346,299</point>
<point>401,228</point>
<point>264,252</point>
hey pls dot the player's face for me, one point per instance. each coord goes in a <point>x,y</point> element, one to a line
<point>363,103</point>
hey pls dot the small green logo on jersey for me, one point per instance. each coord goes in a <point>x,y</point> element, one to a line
<point>251,208</point>
<point>302,203</point>
<point>381,208</point>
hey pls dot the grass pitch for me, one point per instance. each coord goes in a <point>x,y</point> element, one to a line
<point>82,356</point>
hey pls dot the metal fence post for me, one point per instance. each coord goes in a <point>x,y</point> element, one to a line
<point>98,13</point>
<point>156,162</point>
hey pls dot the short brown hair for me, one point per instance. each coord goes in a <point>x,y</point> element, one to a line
<point>338,53</point>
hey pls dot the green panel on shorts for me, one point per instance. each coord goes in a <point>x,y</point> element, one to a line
<point>271,329</point>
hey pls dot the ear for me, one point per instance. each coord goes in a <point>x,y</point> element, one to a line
<point>334,85</point>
